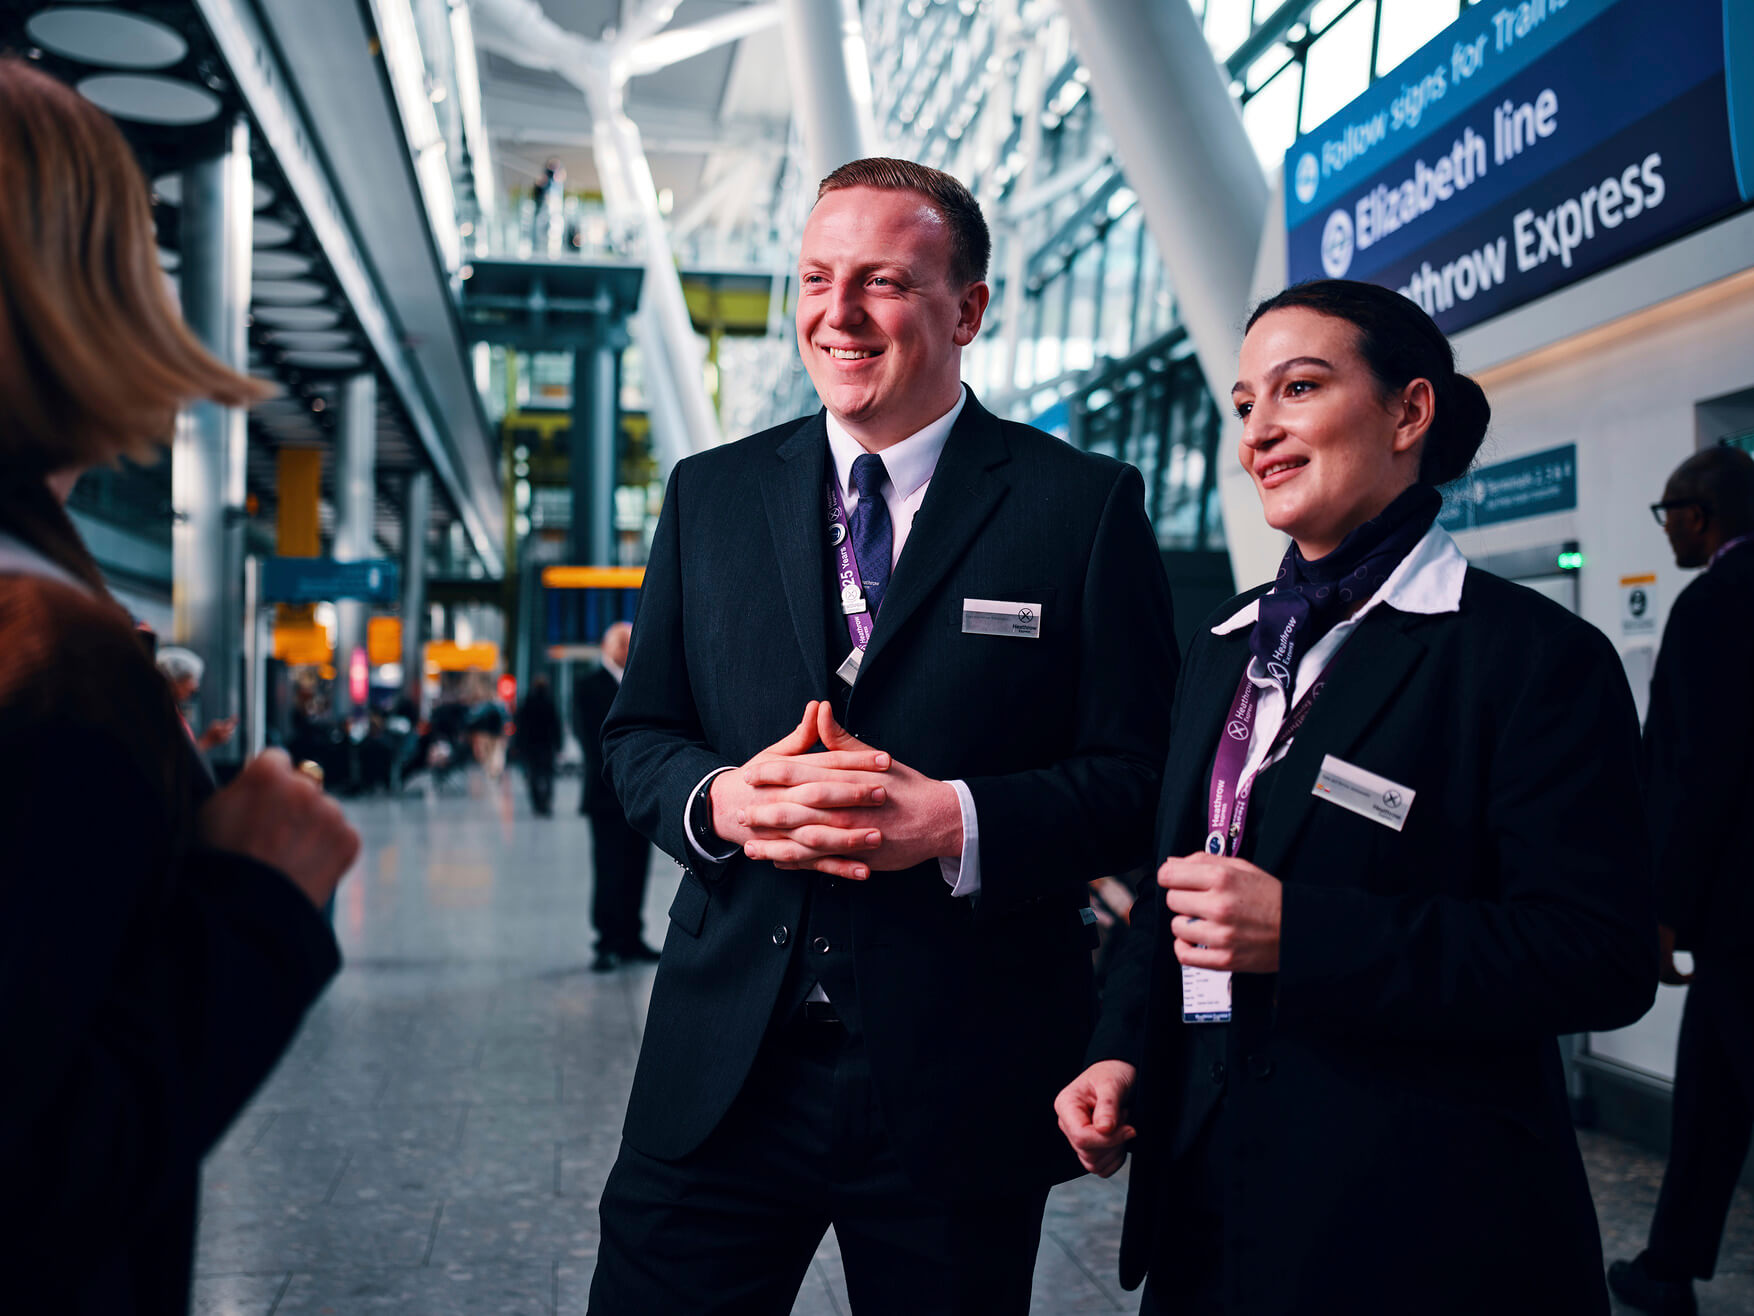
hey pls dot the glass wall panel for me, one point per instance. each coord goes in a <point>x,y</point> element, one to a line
<point>1337,68</point>
<point>1270,116</point>
<point>1407,25</point>
<point>1227,25</point>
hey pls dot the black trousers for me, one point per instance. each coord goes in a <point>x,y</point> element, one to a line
<point>620,857</point>
<point>1713,1116</point>
<point>731,1229</point>
<point>539,770</point>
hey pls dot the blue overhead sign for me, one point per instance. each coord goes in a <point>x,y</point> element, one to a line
<point>324,580</point>
<point>1535,485</point>
<point>1527,146</point>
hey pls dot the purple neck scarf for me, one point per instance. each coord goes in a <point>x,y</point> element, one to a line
<point>1310,598</point>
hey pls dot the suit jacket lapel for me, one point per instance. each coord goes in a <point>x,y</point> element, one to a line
<point>1367,674</point>
<point>963,493</point>
<point>794,491</point>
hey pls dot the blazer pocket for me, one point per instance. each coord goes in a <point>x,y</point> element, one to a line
<point>688,910</point>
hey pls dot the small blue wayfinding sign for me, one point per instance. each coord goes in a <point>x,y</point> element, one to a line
<point>1534,485</point>
<point>323,580</point>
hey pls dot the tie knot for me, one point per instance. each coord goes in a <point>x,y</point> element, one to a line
<point>868,475</point>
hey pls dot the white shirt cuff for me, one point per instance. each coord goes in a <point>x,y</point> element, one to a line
<point>964,874</point>
<point>688,831</point>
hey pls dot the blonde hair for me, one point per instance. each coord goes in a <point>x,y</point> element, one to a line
<point>95,359</point>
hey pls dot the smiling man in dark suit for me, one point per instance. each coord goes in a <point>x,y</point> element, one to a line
<point>878,972</point>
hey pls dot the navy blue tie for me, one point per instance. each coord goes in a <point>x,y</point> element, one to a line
<point>873,536</point>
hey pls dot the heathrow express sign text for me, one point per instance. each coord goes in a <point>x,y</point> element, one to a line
<point>1527,146</point>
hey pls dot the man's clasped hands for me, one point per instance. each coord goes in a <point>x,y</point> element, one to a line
<point>820,798</point>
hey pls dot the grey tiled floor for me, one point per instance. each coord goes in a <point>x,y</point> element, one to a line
<point>436,1138</point>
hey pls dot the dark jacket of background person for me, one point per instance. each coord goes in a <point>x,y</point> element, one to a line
<point>149,986</point>
<point>538,723</point>
<point>1404,1141</point>
<point>592,696</point>
<point>1699,761</point>
<point>974,1012</point>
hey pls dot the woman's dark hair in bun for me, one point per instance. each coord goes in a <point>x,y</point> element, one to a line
<point>1400,343</point>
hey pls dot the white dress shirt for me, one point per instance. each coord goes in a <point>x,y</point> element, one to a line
<point>908,467</point>
<point>1428,580</point>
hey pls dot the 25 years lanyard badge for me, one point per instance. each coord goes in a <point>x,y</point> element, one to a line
<point>860,621</point>
<point>1206,992</point>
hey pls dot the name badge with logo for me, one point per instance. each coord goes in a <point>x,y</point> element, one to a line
<point>997,617</point>
<point>1366,794</point>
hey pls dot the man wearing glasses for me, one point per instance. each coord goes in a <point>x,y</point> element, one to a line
<point>1699,771</point>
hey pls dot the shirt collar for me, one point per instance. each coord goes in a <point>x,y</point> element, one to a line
<point>909,464</point>
<point>1429,581</point>
<point>613,668</point>
<point>1724,549</point>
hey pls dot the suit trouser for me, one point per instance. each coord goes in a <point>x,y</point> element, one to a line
<point>1713,1117</point>
<point>620,857</point>
<point>539,771</point>
<point>730,1230</point>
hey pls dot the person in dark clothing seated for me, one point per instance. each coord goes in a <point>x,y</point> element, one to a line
<point>163,938</point>
<point>538,723</point>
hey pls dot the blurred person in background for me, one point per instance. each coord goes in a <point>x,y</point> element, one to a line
<point>163,939</point>
<point>183,668</point>
<point>538,723</point>
<point>620,855</point>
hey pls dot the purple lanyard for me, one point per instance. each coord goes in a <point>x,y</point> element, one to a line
<point>860,623</point>
<point>1227,815</point>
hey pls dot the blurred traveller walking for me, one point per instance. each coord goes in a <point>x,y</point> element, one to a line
<point>1698,778</point>
<point>162,940</point>
<point>1402,851</point>
<point>620,856</point>
<point>538,723</point>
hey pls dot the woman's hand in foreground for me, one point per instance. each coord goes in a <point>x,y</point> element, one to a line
<point>279,816</point>
<point>1226,913</point>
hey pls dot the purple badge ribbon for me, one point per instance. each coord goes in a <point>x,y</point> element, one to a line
<point>860,623</point>
<point>1228,814</point>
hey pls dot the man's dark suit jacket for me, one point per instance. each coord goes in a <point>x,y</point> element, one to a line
<point>1699,760</point>
<point>1402,1137</point>
<point>592,696</point>
<point>974,1012</point>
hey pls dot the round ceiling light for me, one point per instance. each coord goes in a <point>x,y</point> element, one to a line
<point>279,264</point>
<point>287,292</point>
<point>297,317</point>
<point>268,232</point>
<point>149,98</point>
<point>107,36</point>
<point>325,360</point>
<point>302,339</point>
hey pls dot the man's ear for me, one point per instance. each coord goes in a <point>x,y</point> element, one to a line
<point>971,310</point>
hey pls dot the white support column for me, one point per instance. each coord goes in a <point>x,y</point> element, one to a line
<point>355,509</point>
<point>210,449</point>
<point>831,82</point>
<point>1181,141</point>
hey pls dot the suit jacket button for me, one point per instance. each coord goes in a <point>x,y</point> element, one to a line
<point>781,934</point>
<point>821,946</point>
<point>1260,1066</point>
<point>1218,1073</point>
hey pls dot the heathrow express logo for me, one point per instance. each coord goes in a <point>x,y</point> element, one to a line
<point>1238,730</point>
<point>1392,799</point>
<point>1337,244</point>
<point>1309,177</point>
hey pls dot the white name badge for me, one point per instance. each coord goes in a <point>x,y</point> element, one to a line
<point>997,617</point>
<point>1365,793</point>
<point>1205,996</point>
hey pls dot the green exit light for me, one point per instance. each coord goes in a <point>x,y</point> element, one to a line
<point>1570,561</point>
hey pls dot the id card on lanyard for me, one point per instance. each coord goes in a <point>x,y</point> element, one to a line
<point>1206,992</point>
<point>860,622</point>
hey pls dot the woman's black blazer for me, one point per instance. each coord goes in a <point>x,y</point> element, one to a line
<point>1402,1139</point>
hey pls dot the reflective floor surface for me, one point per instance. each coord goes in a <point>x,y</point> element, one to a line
<point>435,1140</point>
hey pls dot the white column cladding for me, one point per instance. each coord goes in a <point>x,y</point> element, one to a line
<point>210,448</point>
<point>831,80</point>
<point>355,510</point>
<point>416,515</point>
<point>1181,141</point>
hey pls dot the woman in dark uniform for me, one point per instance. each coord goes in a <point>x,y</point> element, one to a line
<point>1404,853</point>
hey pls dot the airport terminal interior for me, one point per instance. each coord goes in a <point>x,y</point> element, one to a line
<point>507,262</point>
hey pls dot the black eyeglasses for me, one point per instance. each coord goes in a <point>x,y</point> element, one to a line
<point>1661,510</point>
